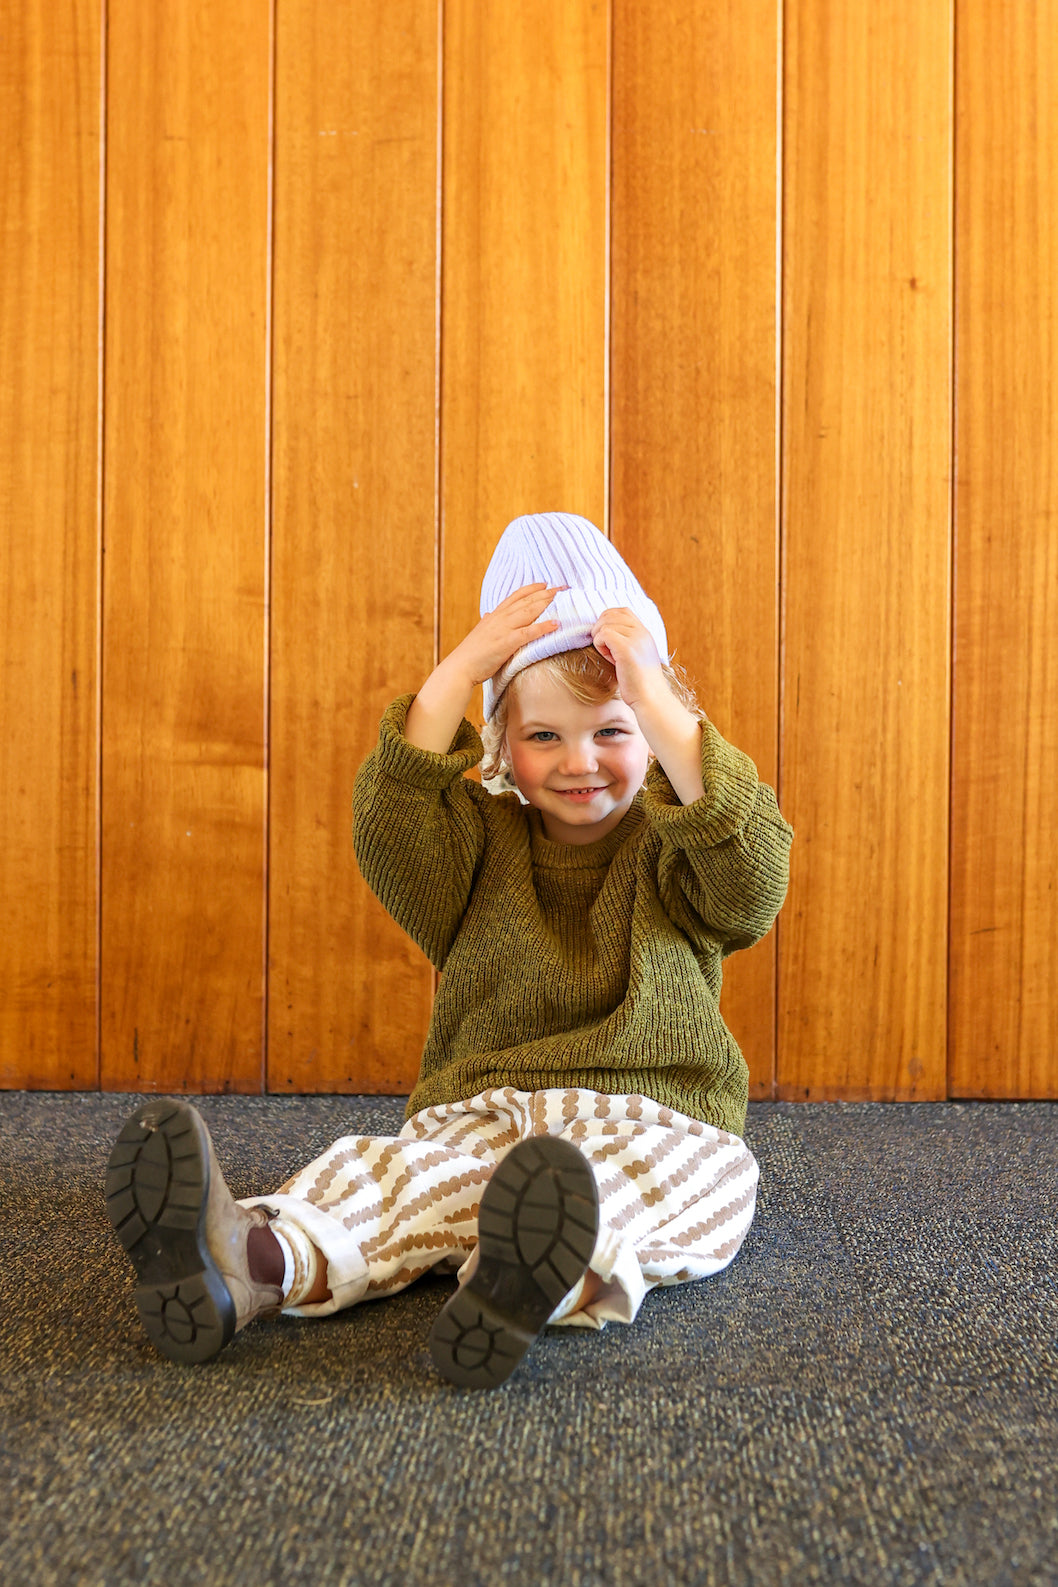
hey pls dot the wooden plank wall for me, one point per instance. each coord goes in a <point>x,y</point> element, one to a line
<point>1004,942</point>
<point>50,159</point>
<point>867,182</point>
<point>295,315</point>
<point>184,534</point>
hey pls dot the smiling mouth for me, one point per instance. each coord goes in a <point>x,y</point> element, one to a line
<point>580,791</point>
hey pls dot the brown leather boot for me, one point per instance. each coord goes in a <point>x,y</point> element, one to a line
<point>537,1228</point>
<point>186,1237</point>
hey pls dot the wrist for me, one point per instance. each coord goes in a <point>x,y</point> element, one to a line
<point>649,694</point>
<point>675,736</point>
<point>453,679</point>
<point>440,705</point>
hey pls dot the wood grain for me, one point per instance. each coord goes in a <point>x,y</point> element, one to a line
<point>353,562</point>
<point>694,377</point>
<point>374,570</point>
<point>186,542</point>
<point>49,482</point>
<point>866,529</point>
<point>523,331</point>
<point>1004,933</point>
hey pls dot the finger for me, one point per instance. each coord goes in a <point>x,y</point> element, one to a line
<point>537,630</point>
<point>533,591</point>
<point>538,595</point>
<point>620,620</point>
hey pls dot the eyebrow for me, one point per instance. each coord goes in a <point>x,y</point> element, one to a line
<point>533,726</point>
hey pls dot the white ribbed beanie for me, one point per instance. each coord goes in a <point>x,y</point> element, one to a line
<point>559,548</point>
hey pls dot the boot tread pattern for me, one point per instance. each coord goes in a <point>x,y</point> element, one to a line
<point>184,1320</point>
<point>542,1217</point>
<point>155,1174</point>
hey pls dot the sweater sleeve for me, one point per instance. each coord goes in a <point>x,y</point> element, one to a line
<point>723,861</point>
<point>417,831</point>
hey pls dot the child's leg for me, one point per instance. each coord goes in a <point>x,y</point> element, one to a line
<point>677,1198</point>
<point>376,1213</point>
<point>363,1221</point>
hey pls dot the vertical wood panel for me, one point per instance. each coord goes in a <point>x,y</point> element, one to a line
<point>1004,965</point>
<point>353,568</point>
<point>185,545</point>
<point>49,419</point>
<point>694,373</point>
<point>523,422</point>
<point>867,433</point>
<point>867,449</point>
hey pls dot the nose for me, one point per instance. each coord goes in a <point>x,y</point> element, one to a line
<point>580,758</point>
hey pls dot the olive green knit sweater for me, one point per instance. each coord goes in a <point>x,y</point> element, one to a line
<point>594,965</point>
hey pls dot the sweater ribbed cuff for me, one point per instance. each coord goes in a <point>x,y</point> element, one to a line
<point>423,768</point>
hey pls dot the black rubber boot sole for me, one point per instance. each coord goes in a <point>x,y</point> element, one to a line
<point>536,1233</point>
<point>157,1187</point>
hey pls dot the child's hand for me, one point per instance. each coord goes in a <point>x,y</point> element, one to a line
<point>514,623</point>
<point>623,640</point>
<point>434,715</point>
<point>672,731</point>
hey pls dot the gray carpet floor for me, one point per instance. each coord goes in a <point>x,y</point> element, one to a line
<point>869,1394</point>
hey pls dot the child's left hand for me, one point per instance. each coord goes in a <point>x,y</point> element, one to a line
<point>623,640</point>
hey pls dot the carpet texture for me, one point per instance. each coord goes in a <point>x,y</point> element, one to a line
<point>867,1395</point>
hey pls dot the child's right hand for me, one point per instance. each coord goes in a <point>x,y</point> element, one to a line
<point>514,623</point>
<point>435,713</point>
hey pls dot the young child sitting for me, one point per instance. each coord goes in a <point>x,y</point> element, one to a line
<point>574,1138</point>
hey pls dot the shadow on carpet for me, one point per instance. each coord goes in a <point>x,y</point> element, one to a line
<point>867,1395</point>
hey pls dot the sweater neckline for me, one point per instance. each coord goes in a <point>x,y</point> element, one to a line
<point>552,856</point>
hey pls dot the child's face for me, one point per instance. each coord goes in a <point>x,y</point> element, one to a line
<point>579,765</point>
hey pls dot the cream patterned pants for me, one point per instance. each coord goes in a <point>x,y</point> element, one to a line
<point>676,1196</point>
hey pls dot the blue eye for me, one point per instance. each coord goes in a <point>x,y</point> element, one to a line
<point>608,732</point>
<point>542,736</point>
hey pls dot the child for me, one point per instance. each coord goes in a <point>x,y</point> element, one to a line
<point>574,1136</point>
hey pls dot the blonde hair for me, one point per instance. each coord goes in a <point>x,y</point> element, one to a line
<point>590,678</point>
